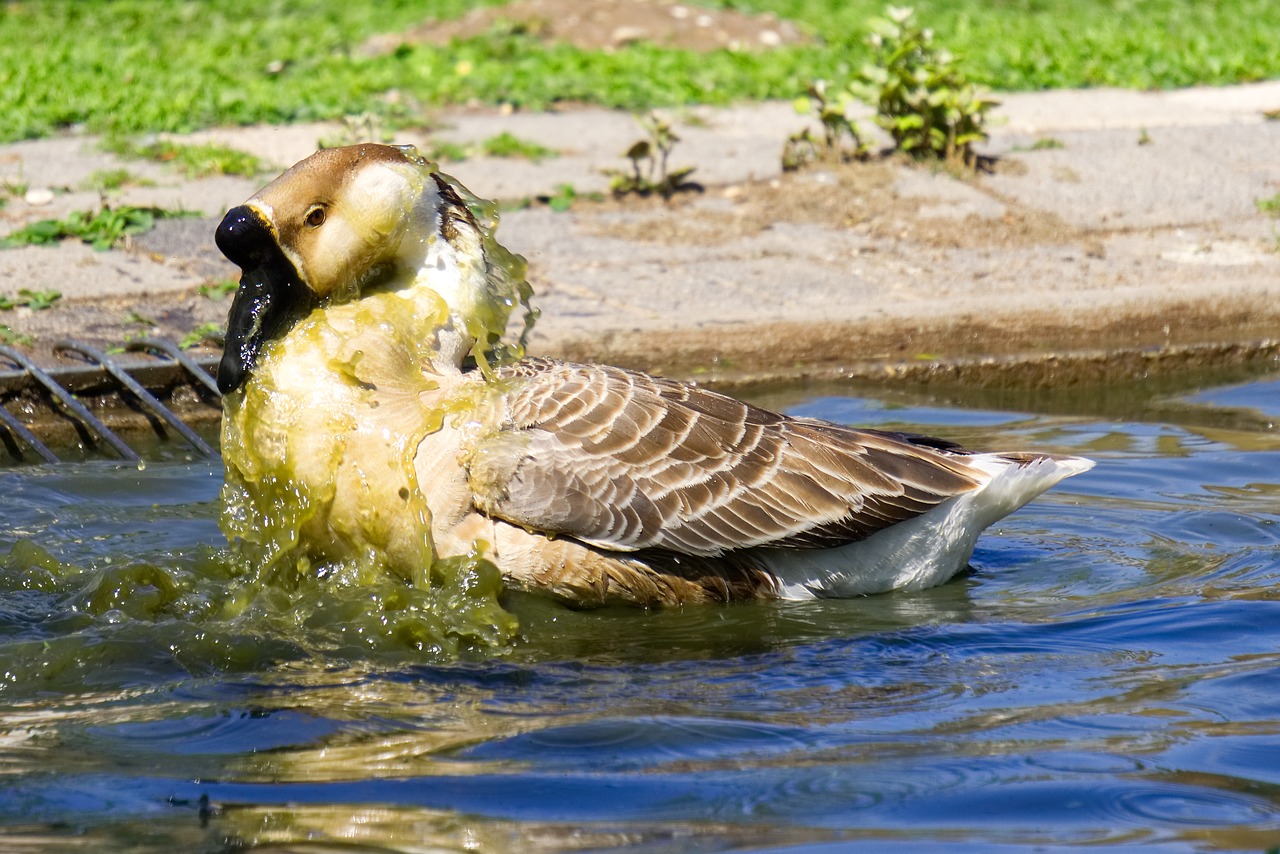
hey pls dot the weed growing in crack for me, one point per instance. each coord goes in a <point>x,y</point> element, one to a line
<point>841,138</point>
<point>650,172</point>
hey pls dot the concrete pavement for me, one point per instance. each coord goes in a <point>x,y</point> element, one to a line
<point>1136,227</point>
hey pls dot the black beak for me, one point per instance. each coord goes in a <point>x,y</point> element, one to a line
<point>271,295</point>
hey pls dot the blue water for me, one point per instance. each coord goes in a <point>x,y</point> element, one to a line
<point>1107,677</point>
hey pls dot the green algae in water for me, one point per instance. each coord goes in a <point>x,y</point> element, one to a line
<point>71,628</point>
<point>508,283</point>
<point>320,447</point>
<point>286,466</point>
<point>114,620</point>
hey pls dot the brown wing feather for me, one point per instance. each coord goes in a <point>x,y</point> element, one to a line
<point>627,461</point>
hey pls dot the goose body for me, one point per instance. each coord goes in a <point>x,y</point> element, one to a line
<point>356,432</point>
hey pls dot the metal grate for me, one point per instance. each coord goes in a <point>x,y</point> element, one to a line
<point>103,376</point>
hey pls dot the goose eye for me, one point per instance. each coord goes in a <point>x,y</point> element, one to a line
<point>315,217</point>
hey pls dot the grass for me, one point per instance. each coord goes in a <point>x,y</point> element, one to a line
<point>509,145</point>
<point>218,290</point>
<point>103,229</point>
<point>111,180</point>
<point>1269,206</point>
<point>565,196</point>
<point>505,144</point>
<point>194,161</point>
<point>212,332</point>
<point>27,298</point>
<point>132,66</point>
<point>443,149</point>
<point>13,338</point>
<point>1047,143</point>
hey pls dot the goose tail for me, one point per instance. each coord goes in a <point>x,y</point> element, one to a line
<point>1016,479</point>
<point>928,549</point>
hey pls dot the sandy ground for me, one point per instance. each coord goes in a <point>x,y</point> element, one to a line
<point>1140,229</point>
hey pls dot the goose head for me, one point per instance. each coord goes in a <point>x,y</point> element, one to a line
<point>347,222</point>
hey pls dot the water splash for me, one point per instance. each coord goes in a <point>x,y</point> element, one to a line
<point>320,445</point>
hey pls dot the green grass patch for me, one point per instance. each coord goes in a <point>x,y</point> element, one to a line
<point>131,66</point>
<point>443,149</point>
<point>12,188</point>
<point>509,145</point>
<point>103,229</point>
<point>27,298</point>
<point>219,290</point>
<point>211,332</point>
<point>565,196</point>
<point>1269,206</point>
<point>13,338</point>
<point>503,145</point>
<point>1047,143</point>
<point>111,180</point>
<point>194,161</point>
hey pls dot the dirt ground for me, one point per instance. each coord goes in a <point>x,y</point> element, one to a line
<point>608,24</point>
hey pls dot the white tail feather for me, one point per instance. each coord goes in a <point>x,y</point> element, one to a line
<point>928,549</point>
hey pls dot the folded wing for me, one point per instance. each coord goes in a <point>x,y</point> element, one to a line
<point>626,461</point>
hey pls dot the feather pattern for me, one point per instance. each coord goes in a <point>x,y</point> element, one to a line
<point>626,461</point>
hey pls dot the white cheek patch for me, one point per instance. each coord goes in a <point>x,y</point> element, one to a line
<point>382,196</point>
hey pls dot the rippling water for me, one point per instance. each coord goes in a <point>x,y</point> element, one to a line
<point>1108,675</point>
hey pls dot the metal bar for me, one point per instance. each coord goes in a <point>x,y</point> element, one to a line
<point>174,352</point>
<point>20,430</point>
<point>72,405</point>
<point>84,376</point>
<point>144,397</point>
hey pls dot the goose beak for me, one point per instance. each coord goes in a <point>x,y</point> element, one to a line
<point>271,292</point>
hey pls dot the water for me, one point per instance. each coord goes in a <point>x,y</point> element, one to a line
<point>1108,676</point>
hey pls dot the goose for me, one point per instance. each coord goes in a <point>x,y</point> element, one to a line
<point>374,418</point>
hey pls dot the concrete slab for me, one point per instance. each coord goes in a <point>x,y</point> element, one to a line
<point>1100,242</point>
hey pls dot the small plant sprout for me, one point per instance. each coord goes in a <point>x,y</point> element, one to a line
<point>649,157</point>
<point>841,138</point>
<point>920,95</point>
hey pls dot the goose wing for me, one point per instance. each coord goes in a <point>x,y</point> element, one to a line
<point>626,461</point>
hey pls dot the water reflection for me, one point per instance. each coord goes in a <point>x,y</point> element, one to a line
<point>1104,676</point>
